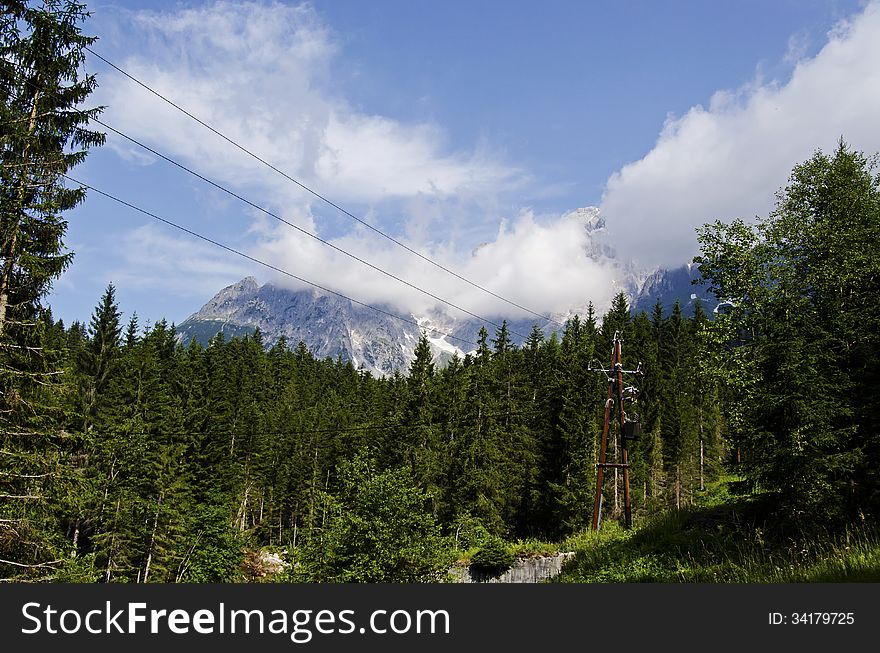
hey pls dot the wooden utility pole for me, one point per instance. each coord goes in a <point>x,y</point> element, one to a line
<point>628,430</point>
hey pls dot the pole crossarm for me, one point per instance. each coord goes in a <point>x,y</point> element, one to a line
<point>618,392</point>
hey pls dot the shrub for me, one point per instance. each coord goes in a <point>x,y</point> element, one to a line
<point>492,558</point>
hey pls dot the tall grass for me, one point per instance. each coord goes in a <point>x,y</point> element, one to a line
<point>725,541</point>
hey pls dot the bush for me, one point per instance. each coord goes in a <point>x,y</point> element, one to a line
<point>380,529</point>
<point>492,558</point>
<point>468,532</point>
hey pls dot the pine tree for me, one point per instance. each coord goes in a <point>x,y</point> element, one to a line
<point>420,443</point>
<point>44,136</point>
<point>478,456</point>
<point>96,359</point>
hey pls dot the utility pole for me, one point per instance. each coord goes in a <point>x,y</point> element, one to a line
<point>627,430</point>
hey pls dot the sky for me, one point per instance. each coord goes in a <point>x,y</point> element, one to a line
<point>469,131</point>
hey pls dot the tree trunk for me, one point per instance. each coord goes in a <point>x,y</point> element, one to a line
<point>112,544</point>
<point>677,487</point>
<point>10,247</point>
<point>701,465</point>
<point>152,540</point>
<point>75,539</point>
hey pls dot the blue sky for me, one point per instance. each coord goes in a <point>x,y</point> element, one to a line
<point>469,130</point>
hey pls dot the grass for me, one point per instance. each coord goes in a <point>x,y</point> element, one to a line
<point>725,538</point>
<point>528,548</point>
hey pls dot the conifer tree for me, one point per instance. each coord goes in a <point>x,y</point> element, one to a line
<point>97,358</point>
<point>421,444</point>
<point>44,136</point>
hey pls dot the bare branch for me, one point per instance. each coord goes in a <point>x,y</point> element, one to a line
<point>30,374</point>
<point>44,579</point>
<point>39,565</point>
<point>8,345</point>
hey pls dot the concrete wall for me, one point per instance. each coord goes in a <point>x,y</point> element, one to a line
<point>524,570</point>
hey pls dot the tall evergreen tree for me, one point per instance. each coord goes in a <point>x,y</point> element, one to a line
<point>97,357</point>
<point>44,135</point>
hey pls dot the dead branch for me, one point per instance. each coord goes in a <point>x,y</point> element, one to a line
<point>39,565</point>
<point>30,374</point>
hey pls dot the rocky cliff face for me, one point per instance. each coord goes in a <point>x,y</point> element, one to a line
<point>334,327</point>
<point>331,326</point>
<point>671,285</point>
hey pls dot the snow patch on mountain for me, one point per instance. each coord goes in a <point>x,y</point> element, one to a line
<point>336,328</point>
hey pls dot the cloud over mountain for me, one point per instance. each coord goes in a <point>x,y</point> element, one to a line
<point>263,73</point>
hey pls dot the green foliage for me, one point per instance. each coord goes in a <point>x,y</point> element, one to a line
<point>532,548</point>
<point>96,357</point>
<point>80,569</point>
<point>468,533</point>
<point>194,454</point>
<point>42,49</point>
<point>141,460</point>
<point>797,350</point>
<point>493,557</point>
<point>214,551</point>
<point>379,531</point>
<point>42,485</point>
<point>732,540</point>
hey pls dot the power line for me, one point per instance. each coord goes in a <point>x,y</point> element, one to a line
<point>288,223</point>
<point>260,262</point>
<point>298,228</point>
<point>318,195</point>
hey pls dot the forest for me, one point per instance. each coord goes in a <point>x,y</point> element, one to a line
<point>129,457</point>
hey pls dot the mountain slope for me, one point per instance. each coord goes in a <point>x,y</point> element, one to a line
<point>671,285</point>
<point>333,327</point>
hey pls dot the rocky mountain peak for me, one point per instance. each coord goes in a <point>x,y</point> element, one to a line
<point>334,327</point>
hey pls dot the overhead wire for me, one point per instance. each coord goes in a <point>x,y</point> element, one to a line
<point>261,262</point>
<point>296,227</point>
<point>273,215</point>
<point>315,193</point>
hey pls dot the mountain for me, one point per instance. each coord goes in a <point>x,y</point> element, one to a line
<point>331,326</point>
<point>671,285</point>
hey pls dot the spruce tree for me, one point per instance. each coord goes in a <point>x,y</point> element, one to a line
<point>44,136</point>
<point>97,358</point>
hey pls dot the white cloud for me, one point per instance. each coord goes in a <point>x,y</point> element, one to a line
<point>798,45</point>
<point>259,73</point>
<point>540,264</point>
<point>158,261</point>
<point>727,160</point>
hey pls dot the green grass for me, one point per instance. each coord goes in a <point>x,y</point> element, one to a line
<point>725,538</point>
<point>528,548</point>
<point>532,548</point>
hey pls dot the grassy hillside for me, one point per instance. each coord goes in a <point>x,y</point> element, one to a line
<point>726,539</point>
